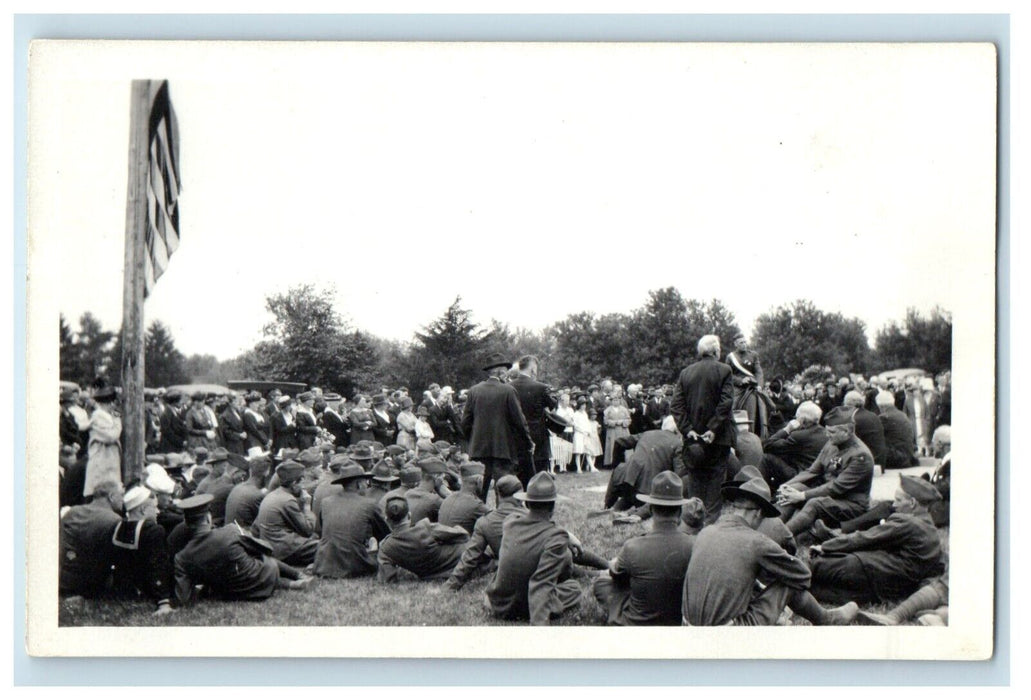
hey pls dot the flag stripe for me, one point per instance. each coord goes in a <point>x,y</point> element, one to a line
<point>163,187</point>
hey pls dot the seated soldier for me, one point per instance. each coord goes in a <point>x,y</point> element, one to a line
<point>245,499</point>
<point>645,581</point>
<point>535,566</point>
<point>87,552</point>
<point>929,605</point>
<point>285,519</point>
<point>424,500</point>
<point>485,543</point>
<point>794,447</point>
<point>730,556</point>
<point>227,561</point>
<point>346,522</point>
<point>218,483</point>
<point>886,562</point>
<point>425,549</point>
<point>837,485</point>
<point>410,478</point>
<point>464,507</point>
<point>774,527</point>
<point>654,451</point>
<point>384,480</point>
<point>142,558</point>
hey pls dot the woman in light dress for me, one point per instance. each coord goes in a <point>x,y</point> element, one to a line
<point>105,447</point>
<point>586,445</point>
<point>406,423</point>
<point>617,425</point>
<point>562,444</point>
<point>423,430</point>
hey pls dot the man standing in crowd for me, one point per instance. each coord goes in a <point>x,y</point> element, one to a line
<point>535,565</point>
<point>231,563</point>
<point>645,582</point>
<point>464,507</point>
<point>657,408</point>
<point>837,485</point>
<point>304,421</point>
<point>635,404</point>
<point>427,550</point>
<point>899,441</point>
<point>285,519</point>
<point>345,522</point>
<point>534,399</point>
<point>703,398</point>
<point>231,426</point>
<point>794,447</point>
<point>494,424</point>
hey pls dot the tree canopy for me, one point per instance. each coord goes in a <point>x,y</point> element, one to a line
<point>791,338</point>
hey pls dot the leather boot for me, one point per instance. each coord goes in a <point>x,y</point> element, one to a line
<point>821,533</point>
<point>805,605</point>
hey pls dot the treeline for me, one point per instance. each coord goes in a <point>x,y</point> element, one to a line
<point>308,340</point>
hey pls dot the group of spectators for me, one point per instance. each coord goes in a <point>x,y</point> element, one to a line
<point>244,493</point>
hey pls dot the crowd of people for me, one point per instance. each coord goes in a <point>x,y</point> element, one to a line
<point>757,494</point>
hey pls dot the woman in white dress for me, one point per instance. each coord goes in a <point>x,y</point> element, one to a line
<point>406,424</point>
<point>562,444</point>
<point>105,447</point>
<point>583,430</point>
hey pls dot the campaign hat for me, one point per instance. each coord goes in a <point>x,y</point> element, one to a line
<point>472,469</point>
<point>349,473</point>
<point>219,454</point>
<point>340,460</point>
<point>508,486</point>
<point>667,490</point>
<point>541,489</point>
<point>395,450</point>
<point>922,490</point>
<point>195,506</point>
<point>495,359</point>
<point>839,415</point>
<point>746,473</point>
<point>755,490</point>
<point>383,473</point>
<point>362,453</point>
<point>289,471</point>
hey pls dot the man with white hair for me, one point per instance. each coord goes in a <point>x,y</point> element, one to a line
<point>899,441</point>
<point>703,398</point>
<point>794,447</point>
<point>868,426</point>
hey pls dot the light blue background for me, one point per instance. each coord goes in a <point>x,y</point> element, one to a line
<point>990,28</point>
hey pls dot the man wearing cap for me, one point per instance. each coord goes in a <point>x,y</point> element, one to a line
<point>534,398</point>
<point>703,398</point>
<point>87,551</point>
<point>285,519</point>
<point>837,485</point>
<point>164,489</point>
<point>142,559</point>
<point>425,499</point>
<point>485,544</point>
<point>494,424</point>
<point>464,507</point>
<point>245,498</point>
<point>218,483</point>
<point>384,480</point>
<point>730,556</point>
<point>645,581</point>
<point>886,562</point>
<point>230,426</point>
<point>304,421</point>
<point>411,475</point>
<point>346,522</point>
<point>326,486</point>
<point>201,429</point>
<point>228,561</point>
<point>425,549</point>
<point>535,565</point>
<point>794,447</point>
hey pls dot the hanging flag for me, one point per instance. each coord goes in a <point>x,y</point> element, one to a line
<point>163,187</point>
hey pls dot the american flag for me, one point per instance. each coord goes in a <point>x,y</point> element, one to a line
<point>163,187</point>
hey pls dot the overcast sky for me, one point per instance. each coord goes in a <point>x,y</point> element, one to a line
<point>533,180</point>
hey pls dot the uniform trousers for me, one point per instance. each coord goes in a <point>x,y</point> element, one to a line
<point>776,471</point>
<point>705,469</point>
<point>304,555</point>
<point>832,511</point>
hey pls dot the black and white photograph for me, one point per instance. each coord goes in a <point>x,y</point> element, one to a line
<point>520,344</point>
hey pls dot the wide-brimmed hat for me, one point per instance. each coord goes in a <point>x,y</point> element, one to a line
<point>362,453</point>
<point>495,359</point>
<point>351,472</point>
<point>383,473</point>
<point>667,490</point>
<point>746,473</point>
<point>395,450</point>
<point>239,462</point>
<point>219,454</point>
<point>541,489</point>
<point>755,490</point>
<point>311,457</point>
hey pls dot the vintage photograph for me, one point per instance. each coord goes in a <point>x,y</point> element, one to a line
<point>350,338</point>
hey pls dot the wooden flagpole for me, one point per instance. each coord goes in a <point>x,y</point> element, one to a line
<point>133,283</point>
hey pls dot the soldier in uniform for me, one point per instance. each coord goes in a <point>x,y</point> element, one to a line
<point>645,581</point>
<point>424,500</point>
<point>245,499</point>
<point>346,522</point>
<point>837,485</point>
<point>464,507</point>
<point>218,483</point>
<point>142,558</point>
<point>535,566</point>
<point>285,519</point>
<point>228,561</point>
<point>384,480</point>
<point>485,543</point>
<point>427,550</point>
<point>886,562</point>
<point>410,478</point>
<point>87,552</point>
<point>748,386</point>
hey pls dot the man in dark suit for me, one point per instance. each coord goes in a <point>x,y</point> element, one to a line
<point>702,401</point>
<point>534,399</point>
<point>899,441</point>
<point>656,409</point>
<point>794,447</point>
<point>635,404</point>
<point>255,424</point>
<point>230,426</point>
<point>494,424</point>
<point>304,419</point>
<point>869,428</point>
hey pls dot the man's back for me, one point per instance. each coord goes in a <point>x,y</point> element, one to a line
<point>800,447</point>
<point>493,421</point>
<point>655,564</point>
<point>703,399</point>
<point>533,399</point>
<point>219,559</point>
<point>87,552</point>
<point>655,452</point>
<point>870,430</point>
<point>428,550</point>
<point>898,431</point>
<point>519,588</point>
<point>346,521</point>
<point>462,509</point>
<point>423,504</point>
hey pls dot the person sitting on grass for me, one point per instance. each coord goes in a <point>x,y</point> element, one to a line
<point>485,543</point>
<point>425,499</point>
<point>142,560</point>
<point>347,523</point>
<point>929,606</point>
<point>87,552</point>
<point>285,519</point>
<point>464,507</point>
<point>425,550</point>
<point>227,561</point>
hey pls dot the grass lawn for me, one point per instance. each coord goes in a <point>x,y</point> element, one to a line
<point>330,602</point>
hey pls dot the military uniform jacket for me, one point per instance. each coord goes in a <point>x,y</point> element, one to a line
<point>655,451</point>
<point>228,562</point>
<point>727,558</point>
<point>799,448</point>
<point>534,571</point>
<point>243,503</point>
<point>653,566</point>
<point>905,546</point>
<point>462,509</point>
<point>257,429</point>
<point>703,398</point>
<point>345,522</point>
<point>428,550</point>
<point>282,523</point>
<point>423,504</point>
<point>494,422</point>
<point>141,551</point>
<point>219,487</point>
<point>534,397</point>
<point>843,471</point>
<point>485,542</point>
<point>87,550</point>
